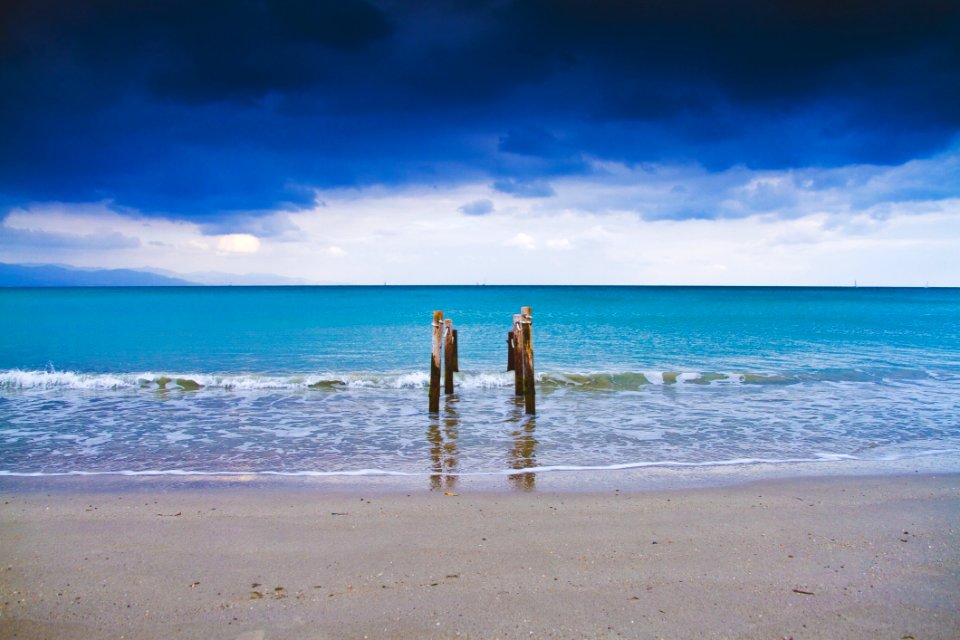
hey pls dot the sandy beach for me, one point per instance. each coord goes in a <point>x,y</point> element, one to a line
<point>875,557</point>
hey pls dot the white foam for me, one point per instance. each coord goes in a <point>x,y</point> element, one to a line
<point>653,377</point>
<point>735,462</point>
<point>410,380</point>
<point>489,380</point>
<point>18,379</point>
<point>189,472</point>
<point>239,382</point>
<point>21,379</point>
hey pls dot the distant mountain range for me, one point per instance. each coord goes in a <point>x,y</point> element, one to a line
<point>48,275</point>
<point>218,278</point>
<point>51,275</point>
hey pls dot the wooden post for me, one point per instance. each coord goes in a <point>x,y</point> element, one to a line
<point>529,391</point>
<point>517,356</point>
<point>511,351</point>
<point>448,357</point>
<point>456,352</point>
<point>435,362</point>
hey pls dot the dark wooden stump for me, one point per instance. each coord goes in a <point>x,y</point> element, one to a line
<point>529,391</point>
<point>517,356</point>
<point>456,352</point>
<point>435,361</point>
<point>448,356</point>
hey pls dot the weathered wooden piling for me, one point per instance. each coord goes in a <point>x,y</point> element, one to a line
<point>517,356</point>
<point>456,352</point>
<point>529,391</point>
<point>435,361</point>
<point>449,358</point>
<point>511,351</point>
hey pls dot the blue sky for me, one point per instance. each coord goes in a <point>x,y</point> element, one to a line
<point>751,142</point>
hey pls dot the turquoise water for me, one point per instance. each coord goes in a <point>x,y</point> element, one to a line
<point>333,379</point>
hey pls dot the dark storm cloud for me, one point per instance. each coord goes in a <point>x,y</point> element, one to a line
<point>197,108</point>
<point>532,141</point>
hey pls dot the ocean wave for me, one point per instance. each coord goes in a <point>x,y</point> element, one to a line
<point>17,379</point>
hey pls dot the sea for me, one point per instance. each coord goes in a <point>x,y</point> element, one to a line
<point>333,381</point>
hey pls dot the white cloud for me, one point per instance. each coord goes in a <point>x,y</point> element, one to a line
<point>46,240</point>
<point>238,243</point>
<point>523,240</point>
<point>649,225</point>
<point>559,244</point>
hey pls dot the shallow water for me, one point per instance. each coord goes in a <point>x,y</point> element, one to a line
<point>333,380</point>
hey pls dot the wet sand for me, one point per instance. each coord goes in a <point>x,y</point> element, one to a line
<point>855,557</point>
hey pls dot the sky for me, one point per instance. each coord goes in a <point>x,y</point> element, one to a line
<point>751,142</point>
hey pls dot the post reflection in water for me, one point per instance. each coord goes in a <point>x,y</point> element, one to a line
<point>442,436</point>
<point>523,454</point>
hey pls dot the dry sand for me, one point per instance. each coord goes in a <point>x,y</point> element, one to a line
<point>813,558</point>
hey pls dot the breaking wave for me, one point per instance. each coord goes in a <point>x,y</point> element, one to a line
<point>17,379</point>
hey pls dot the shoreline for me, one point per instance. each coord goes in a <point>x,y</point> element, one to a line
<point>816,557</point>
<point>653,477</point>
